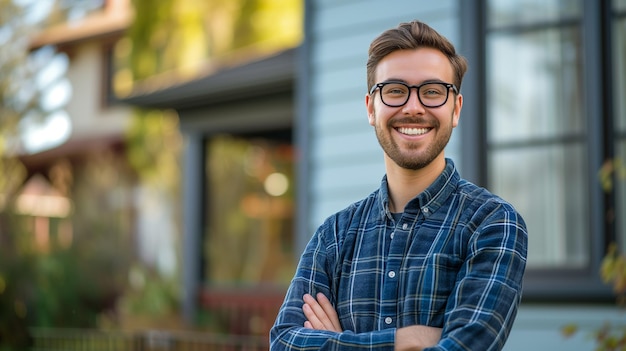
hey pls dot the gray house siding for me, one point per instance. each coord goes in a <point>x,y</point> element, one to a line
<point>345,160</point>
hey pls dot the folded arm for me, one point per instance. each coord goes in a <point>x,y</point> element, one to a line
<point>321,315</point>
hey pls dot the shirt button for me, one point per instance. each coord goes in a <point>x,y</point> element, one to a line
<point>425,210</point>
<point>404,226</point>
<point>391,274</point>
<point>388,320</point>
<point>392,234</point>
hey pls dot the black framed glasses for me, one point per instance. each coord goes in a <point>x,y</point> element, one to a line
<point>430,94</point>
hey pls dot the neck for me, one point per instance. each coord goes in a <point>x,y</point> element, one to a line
<point>405,184</point>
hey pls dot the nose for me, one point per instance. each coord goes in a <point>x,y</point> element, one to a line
<point>413,105</point>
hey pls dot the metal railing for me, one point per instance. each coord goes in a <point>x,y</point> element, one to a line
<point>50,339</point>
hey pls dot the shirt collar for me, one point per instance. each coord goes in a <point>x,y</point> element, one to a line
<point>428,201</point>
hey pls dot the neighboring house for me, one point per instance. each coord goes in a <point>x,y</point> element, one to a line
<point>90,162</point>
<point>80,170</point>
<point>88,43</point>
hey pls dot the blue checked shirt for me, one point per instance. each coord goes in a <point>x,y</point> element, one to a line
<point>453,260</point>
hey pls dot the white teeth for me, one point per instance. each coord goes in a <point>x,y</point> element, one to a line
<point>413,131</point>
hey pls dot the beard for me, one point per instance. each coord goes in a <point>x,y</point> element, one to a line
<point>412,158</point>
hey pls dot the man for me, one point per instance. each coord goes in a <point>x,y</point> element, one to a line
<point>428,261</point>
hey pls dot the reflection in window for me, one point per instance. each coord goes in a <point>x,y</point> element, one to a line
<point>535,126</point>
<point>523,12</point>
<point>545,184</point>
<point>249,222</point>
<point>534,85</point>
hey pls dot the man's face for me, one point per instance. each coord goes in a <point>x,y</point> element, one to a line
<point>413,135</point>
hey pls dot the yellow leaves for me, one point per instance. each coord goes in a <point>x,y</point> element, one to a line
<point>613,271</point>
<point>569,330</point>
<point>611,169</point>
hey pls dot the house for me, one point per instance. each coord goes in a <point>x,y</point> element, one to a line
<point>88,168</point>
<point>79,186</point>
<point>543,111</point>
<point>85,128</point>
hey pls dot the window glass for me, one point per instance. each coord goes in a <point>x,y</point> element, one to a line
<point>547,186</point>
<point>249,222</point>
<point>523,12</point>
<point>536,127</point>
<point>534,85</point>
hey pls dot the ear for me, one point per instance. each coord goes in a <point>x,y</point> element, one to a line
<point>456,114</point>
<point>369,106</point>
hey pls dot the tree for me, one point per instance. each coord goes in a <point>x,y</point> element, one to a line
<point>15,100</point>
<point>65,286</point>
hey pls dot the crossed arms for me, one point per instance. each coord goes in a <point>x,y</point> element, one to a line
<point>321,315</point>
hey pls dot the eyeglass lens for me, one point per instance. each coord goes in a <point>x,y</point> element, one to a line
<point>430,94</point>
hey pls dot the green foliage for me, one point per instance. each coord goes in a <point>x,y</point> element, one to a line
<point>150,294</point>
<point>184,34</point>
<point>60,288</point>
<point>12,68</point>
<point>154,144</point>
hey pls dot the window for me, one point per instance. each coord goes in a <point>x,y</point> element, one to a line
<point>552,78</point>
<point>250,209</point>
<point>536,129</point>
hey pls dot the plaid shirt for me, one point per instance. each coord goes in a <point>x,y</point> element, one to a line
<point>454,260</point>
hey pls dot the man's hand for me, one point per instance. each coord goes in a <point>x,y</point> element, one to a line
<point>416,337</point>
<point>320,313</point>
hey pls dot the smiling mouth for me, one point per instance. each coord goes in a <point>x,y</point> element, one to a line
<point>413,131</point>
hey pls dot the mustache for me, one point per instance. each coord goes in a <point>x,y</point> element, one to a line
<point>413,120</point>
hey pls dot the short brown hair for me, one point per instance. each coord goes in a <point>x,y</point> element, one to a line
<point>413,35</point>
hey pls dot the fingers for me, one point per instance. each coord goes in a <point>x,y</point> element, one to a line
<point>320,313</point>
<point>329,310</point>
<point>315,314</point>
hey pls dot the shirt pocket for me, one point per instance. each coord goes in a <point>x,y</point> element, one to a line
<point>429,286</point>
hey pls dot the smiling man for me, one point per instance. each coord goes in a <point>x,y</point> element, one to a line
<point>428,261</point>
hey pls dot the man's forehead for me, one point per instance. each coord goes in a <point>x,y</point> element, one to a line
<point>423,64</point>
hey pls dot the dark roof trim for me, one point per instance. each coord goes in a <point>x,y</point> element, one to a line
<point>262,77</point>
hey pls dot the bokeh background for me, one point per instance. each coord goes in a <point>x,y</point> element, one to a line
<point>164,162</point>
